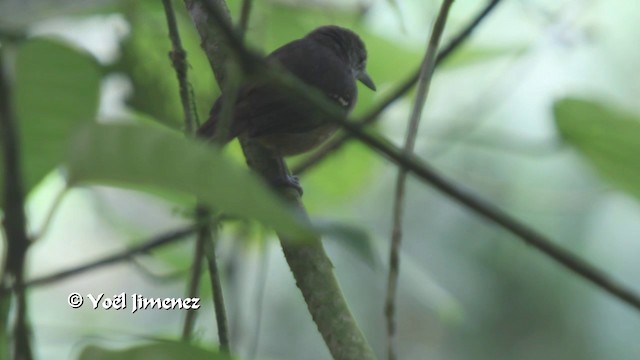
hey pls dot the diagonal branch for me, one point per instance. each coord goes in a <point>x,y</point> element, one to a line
<point>308,261</point>
<point>337,142</point>
<point>313,98</point>
<point>145,247</point>
<point>424,82</point>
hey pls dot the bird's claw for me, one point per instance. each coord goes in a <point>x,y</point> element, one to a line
<point>288,181</point>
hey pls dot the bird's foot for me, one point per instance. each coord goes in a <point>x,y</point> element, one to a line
<point>288,181</point>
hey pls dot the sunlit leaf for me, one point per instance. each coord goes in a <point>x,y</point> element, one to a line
<point>143,157</point>
<point>608,137</point>
<point>56,89</point>
<point>165,350</point>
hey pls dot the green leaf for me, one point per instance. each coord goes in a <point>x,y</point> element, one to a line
<point>353,239</point>
<point>164,350</point>
<point>608,137</point>
<point>56,89</point>
<point>146,157</point>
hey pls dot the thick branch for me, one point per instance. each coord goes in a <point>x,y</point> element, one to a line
<point>209,29</point>
<point>312,98</point>
<point>309,263</point>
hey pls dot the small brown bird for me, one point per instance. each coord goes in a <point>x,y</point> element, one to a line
<point>329,58</point>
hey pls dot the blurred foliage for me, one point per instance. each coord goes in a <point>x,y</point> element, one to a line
<point>608,137</point>
<point>57,88</point>
<point>143,156</point>
<point>353,239</point>
<point>164,350</point>
<point>145,60</point>
<point>515,305</point>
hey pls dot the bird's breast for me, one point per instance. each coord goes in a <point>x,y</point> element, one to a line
<point>289,144</point>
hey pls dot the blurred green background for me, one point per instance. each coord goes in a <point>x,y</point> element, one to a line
<point>538,113</point>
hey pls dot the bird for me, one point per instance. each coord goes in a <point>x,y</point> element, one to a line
<point>331,59</point>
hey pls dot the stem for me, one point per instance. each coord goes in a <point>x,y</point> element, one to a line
<point>205,239</point>
<point>196,274</point>
<point>309,263</point>
<point>424,82</point>
<point>216,288</point>
<point>179,60</point>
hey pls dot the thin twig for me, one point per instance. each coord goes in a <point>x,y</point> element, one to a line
<point>205,240</point>
<point>424,82</point>
<point>216,288</point>
<point>311,97</point>
<point>179,60</point>
<point>261,282</point>
<point>153,243</point>
<point>402,89</point>
<point>148,274</point>
<point>194,284</point>
<point>14,221</point>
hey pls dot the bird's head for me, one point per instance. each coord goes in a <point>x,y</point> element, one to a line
<point>349,47</point>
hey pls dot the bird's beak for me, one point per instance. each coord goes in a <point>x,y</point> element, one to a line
<point>366,80</point>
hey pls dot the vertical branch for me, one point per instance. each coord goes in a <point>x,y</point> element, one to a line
<point>205,244</point>
<point>179,60</point>
<point>14,221</point>
<point>216,288</point>
<point>424,81</point>
<point>309,263</point>
<point>192,290</point>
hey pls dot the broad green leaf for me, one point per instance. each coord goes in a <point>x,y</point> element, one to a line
<point>145,157</point>
<point>608,137</point>
<point>56,89</point>
<point>164,350</point>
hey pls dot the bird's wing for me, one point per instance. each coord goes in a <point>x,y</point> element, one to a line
<point>262,109</point>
